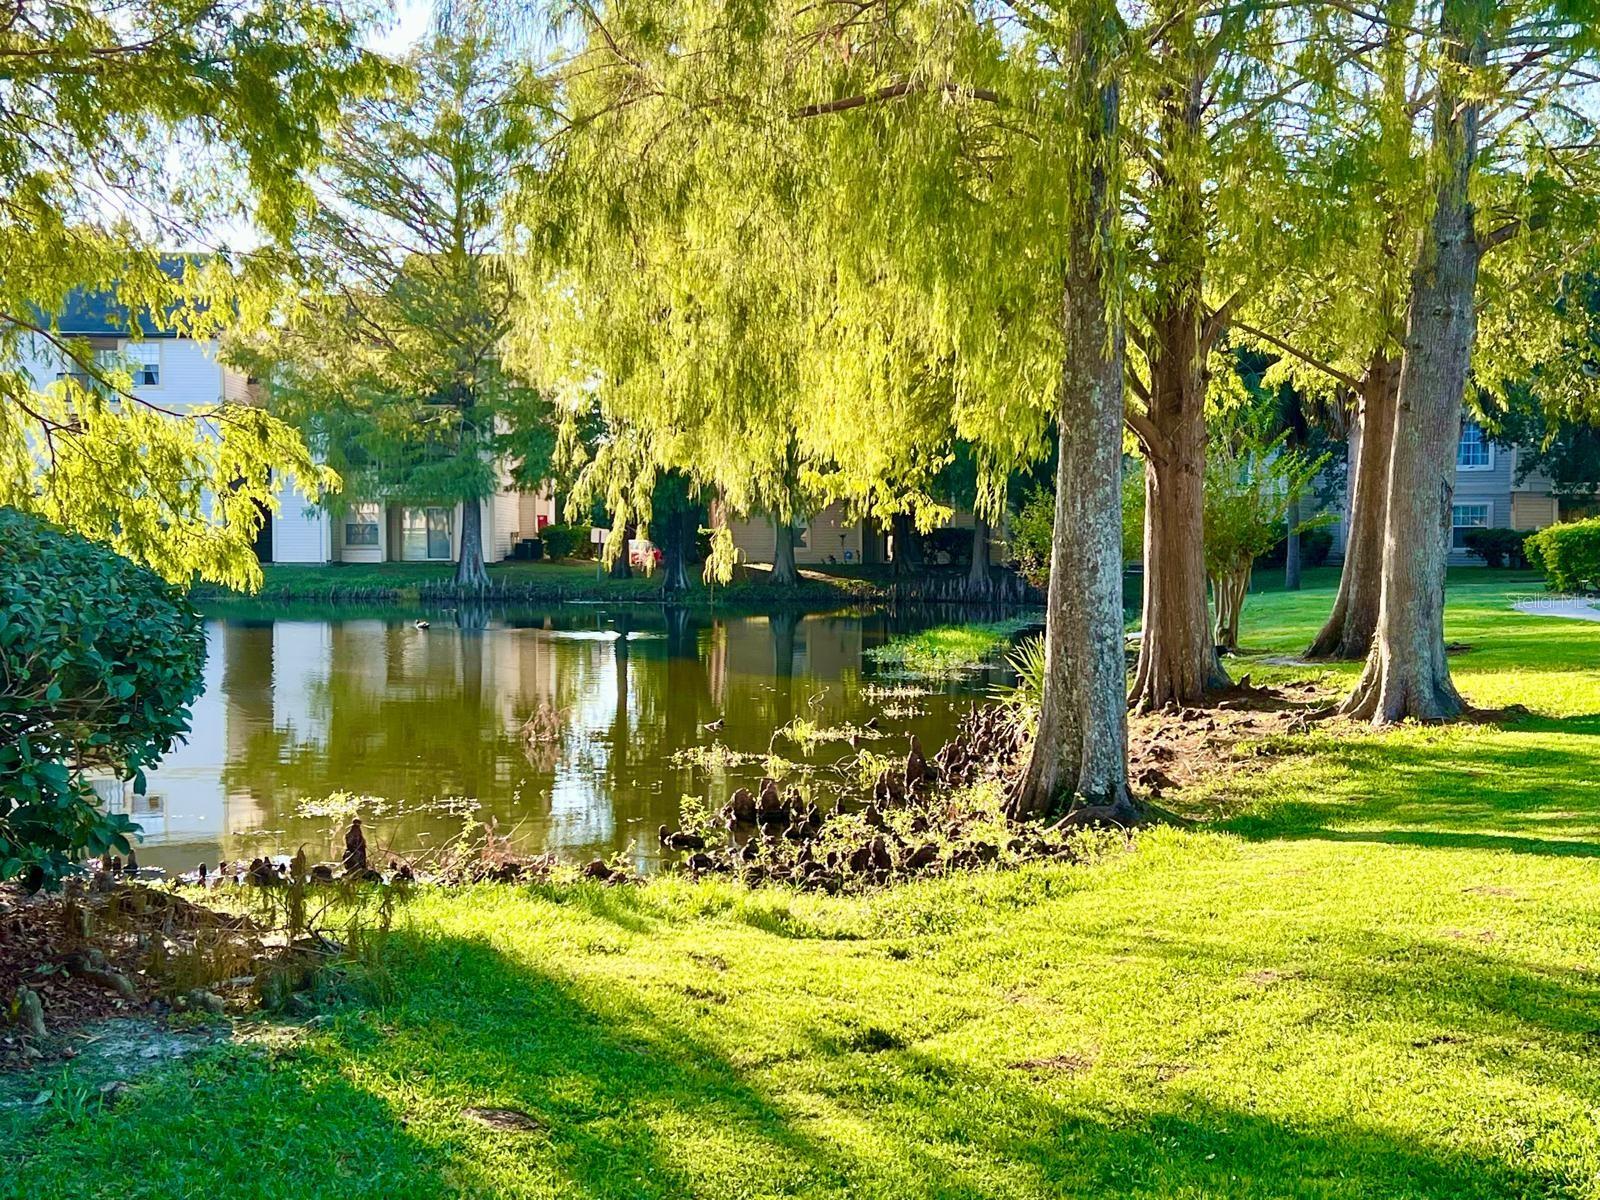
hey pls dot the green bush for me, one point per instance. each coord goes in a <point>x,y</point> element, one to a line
<point>1569,554</point>
<point>566,541</point>
<point>1033,527</point>
<point>100,660</point>
<point>1497,547</point>
<point>1316,543</point>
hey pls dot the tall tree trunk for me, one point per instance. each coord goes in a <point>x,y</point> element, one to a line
<point>621,568</point>
<point>907,545</point>
<point>1347,634</point>
<point>471,575</point>
<point>1178,661</point>
<point>677,551</point>
<point>980,581</point>
<point>1291,547</point>
<point>1407,674</point>
<point>784,571</point>
<point>1079,757</point>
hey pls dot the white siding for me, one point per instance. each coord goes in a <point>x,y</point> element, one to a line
<point>300,532</point>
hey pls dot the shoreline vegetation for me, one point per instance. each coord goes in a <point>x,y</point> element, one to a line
<point>951,649</point>
<point>577,581</point>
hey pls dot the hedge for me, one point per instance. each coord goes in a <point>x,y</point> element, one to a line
<point>1497,547</point>
<point>1568,554</point>
<point>100,661</point>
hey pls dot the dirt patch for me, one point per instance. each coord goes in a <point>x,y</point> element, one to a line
<point>506,1120</point>
<point>1269,976</point>
<point>1171,751</point>
<point>1070,1064</point>
<point>102,949</point>
<point>1489,889</point>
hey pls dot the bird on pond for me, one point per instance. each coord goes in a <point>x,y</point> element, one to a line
<point>420,623</point>
<point>713,726</point>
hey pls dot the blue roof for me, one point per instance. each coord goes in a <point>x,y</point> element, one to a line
<point>98,313</point>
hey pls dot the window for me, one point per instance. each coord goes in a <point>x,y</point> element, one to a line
<point>1464,517</point>
<point>425,533</point>
<point>1473,451</point>
<point>361,526</point>
<point>144,363</point>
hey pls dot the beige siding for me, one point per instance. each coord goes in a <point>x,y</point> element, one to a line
<point>1530,510</point>
<point>829,536</point>
<point>754,536</point>
<point>236,387</point>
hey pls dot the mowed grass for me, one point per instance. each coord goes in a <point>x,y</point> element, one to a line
<point>1375,974</point>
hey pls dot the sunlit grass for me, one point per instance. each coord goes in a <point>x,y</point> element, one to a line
<point>947,649</point>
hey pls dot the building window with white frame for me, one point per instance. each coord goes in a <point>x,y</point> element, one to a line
<point>144,363</point>
<point>1474,452</point>
<point>1464,517</point>
<point>361,525</point>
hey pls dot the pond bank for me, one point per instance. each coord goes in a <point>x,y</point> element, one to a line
<point>581,582</point>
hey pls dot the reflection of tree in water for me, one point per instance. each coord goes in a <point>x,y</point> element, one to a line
<point>402,714</point>
<point>382,708</point>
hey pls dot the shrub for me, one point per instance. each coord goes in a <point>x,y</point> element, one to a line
<point>100,660</point>
<point>566,541</point>
<point>1033,526</point>
<point>1569,554</point>
<point>1497,547</point>
<point>1316,543</point>
<point>1031,530</point>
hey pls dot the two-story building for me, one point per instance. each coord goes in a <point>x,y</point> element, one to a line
<point>186,374</point>
<point>1487,494</point>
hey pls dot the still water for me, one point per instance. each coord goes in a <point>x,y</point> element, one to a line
<point>426,724</point>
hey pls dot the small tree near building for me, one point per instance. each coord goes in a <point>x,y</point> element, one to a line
<point>1250,489</point>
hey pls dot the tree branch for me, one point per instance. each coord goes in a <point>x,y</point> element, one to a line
<point>1343,377</point>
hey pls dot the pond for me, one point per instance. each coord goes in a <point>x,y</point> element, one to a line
<point>425,726</point>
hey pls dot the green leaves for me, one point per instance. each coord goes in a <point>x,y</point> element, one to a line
<point>391,361</point>
<point>132,126</point>
<point>100,660</point>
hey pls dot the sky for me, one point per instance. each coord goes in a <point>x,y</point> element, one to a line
<point>411,18</point>
<point>407,26</point>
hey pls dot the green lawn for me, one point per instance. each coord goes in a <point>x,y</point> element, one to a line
<point>1378,976</point>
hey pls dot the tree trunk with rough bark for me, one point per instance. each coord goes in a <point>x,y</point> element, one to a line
<point>677,552</point>
<point>1347,634</point>
<point>1178,661</point>
<point>1228,593</point>
<point>621,568</point>
<point>471,575</point>
<point>1079,758</point>
<point>1291,547</point>
<point>784,571</point>
<point>1407,674</point>
<point>980,580</point>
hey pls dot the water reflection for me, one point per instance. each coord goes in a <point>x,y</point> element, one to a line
<point>297,709</point>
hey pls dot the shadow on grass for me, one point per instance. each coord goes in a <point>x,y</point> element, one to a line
<point>649,1088</point>
<point>241,1124</point>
